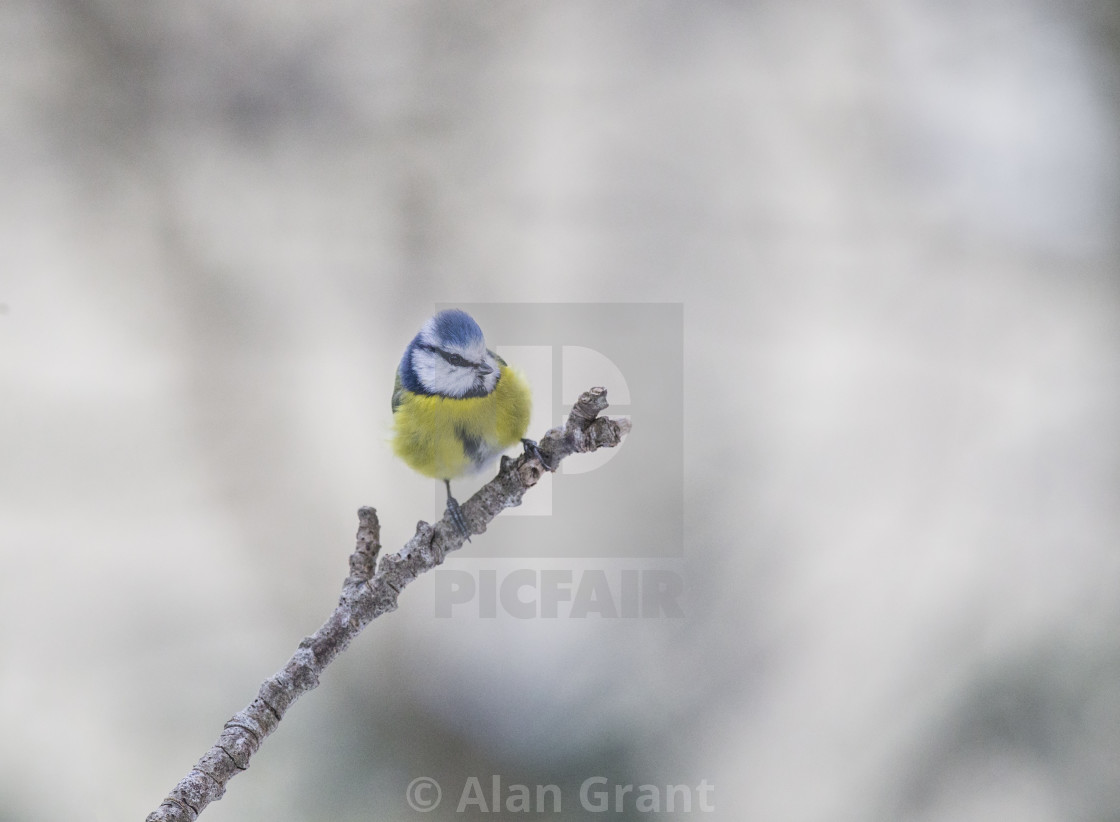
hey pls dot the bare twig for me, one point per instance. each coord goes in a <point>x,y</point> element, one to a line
<point>367,594</point>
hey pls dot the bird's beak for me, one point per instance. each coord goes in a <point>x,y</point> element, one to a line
<point>484,369</point>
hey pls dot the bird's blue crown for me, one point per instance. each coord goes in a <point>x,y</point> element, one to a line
<point>454,327</point>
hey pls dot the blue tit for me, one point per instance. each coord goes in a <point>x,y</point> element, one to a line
<point>456,404</point>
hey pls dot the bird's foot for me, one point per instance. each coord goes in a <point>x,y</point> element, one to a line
<point>532,451</point>
<point>456,514</point>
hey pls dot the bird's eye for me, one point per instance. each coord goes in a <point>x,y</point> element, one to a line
<point>455,359</point>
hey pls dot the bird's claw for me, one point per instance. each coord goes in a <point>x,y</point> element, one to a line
<point>532,451</point>
<point>456,514</point>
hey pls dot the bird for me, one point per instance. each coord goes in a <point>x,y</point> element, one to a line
<point>456,404</point>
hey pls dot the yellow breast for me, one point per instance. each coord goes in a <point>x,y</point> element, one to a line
<point>444,438</point>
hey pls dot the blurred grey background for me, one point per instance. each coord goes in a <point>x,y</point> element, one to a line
<point>893,227</point>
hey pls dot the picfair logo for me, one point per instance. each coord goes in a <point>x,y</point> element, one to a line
<point>618,502</point>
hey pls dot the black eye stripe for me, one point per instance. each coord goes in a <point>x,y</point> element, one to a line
<point>449,356</point>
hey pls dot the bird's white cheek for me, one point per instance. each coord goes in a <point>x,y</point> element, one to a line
<point>462,381</point>
<point>427,370</point>
<point>440,377</point>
